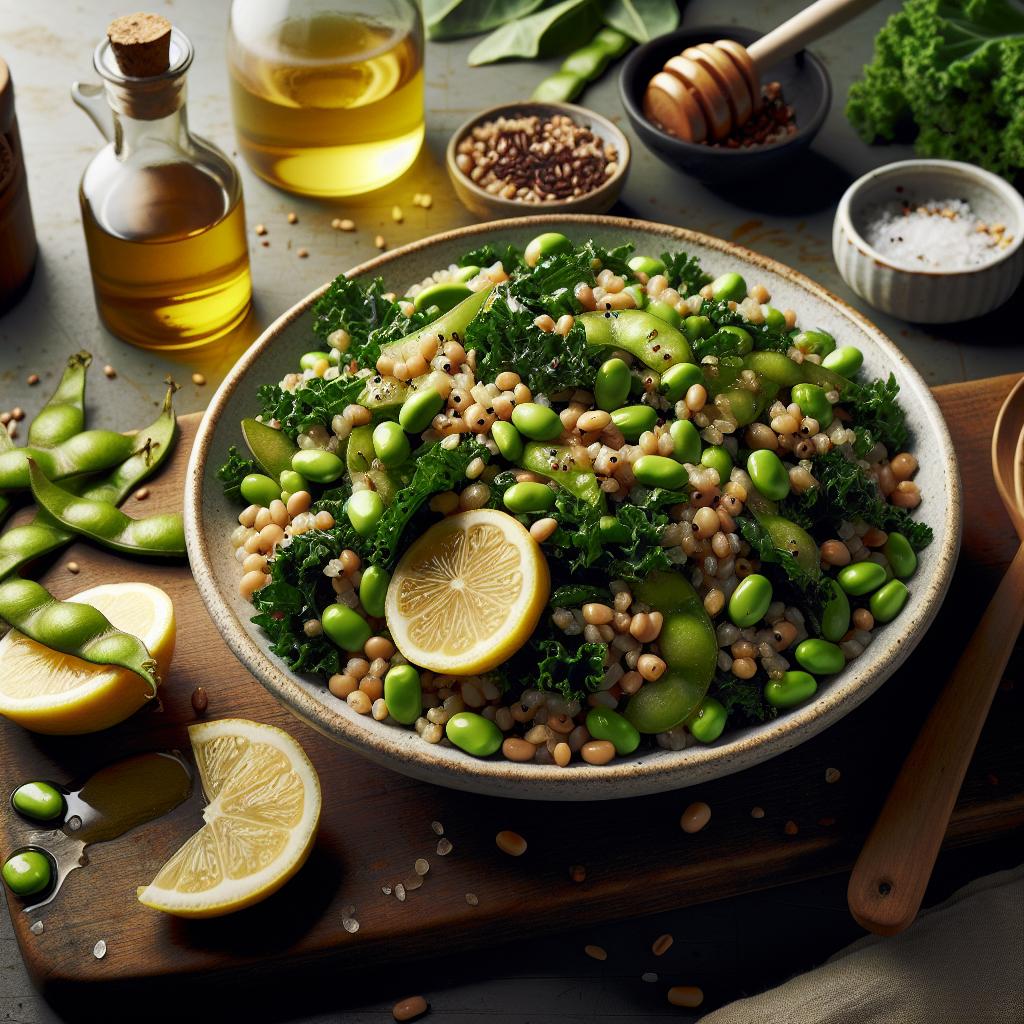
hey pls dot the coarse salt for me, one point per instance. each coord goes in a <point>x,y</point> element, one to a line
<point>940,234</point>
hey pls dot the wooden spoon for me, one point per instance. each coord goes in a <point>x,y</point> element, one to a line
<point>892,872</point>
<point>710,89</point>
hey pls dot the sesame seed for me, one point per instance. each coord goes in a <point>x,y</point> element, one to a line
<point>293,218</point>
<point>142,494</point>
<point>198,379</point>
<point>379,242</point>
<point>302,253</point>
<point>33,379</point>
<point>426,200</point>
<point>336,223</point>
<point>261,229</point>
<point>74,568</point>
<point>396,214</point>
<point>347,225</point>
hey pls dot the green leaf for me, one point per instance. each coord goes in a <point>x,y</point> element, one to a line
<point>235,469</point>
<point>453,19</point>
<point>641,20</point>
<point>541,34</point>
<point>316,401</point>
<point>573,674</point>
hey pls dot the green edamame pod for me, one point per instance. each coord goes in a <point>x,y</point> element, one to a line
<point>161,535</point>
<point>888,601</point>
<point>775,367</point>
<point>359,462</point>
<point>447,327</point>
<point>537,422</point>
<point>550,243</point>
<point>587,63</point>
<point>584,65</point>
<point>75,629</point>
<point>419,409</point>
<point>689,647</point>
<point>639,332</point>
<point>6,445</point>
<point>22,544</point>
<point>717,458</point>
<point>659,471</point>
<point>561,87</point>
<point>271,448</point>
<point>698,327</point>
<point>88,452</point>
<point>63,416</point>
<point>473,733</point>
<point>556,463</point>
<point>812,402</point>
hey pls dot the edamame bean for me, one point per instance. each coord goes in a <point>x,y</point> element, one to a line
<point>901,555</point>
<point>310,359</point>
<point>529,497</point>
<point>508,440</point>
<point>793,688</point>
<point>646,265</point>
<point>698,327</point>
<point>639,295</point>
<point>658,471</point>
<point>444,295</point>
<point>606,724</point>
<point>750,600</point>
<point>160,535</point>
<point>419,409</point>
<point>820,657</point>
<point>664,311</point>
<point>320,466</point>
<point>292,482</point>
<point>768,474</point>
<point>678,379</point>
<point>364,509</point>
<point>819,343</point>
<point>633,420</point>
<point>718,458</point>
<point>537,422</point>
<point>611,385</point>
<point>373,589</point>
<point>835,616</point>
<point>685,440</point>
<point>345,627</point>
<point>548,244</point>
<point>73,628</point>
<point>861,578</point>
<point>773,318</point>
<point>888,601</point>
<point>846,360</point>
<point>63,415</point>
<point>729,287</point>
<point>812,402</point>
<point>258,489</point>
<point>403,694</point>
<point>390,444</point>
<point>39,801</point>
<point>473,733</point>
<point>744,342</point>
<point>28,873</point>
<point>707,723</point>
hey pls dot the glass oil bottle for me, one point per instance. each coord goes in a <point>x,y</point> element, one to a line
<point>161,208</point>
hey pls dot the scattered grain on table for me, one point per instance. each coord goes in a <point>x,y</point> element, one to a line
<point>17,413</point>
<point>261,229</point>
<point>74,568</point>
<point>510,842</point>
<point>791,828</point>
<point>422,866</point>
<point>142,494</point>
<point>347,225</point>
<point>757,812</point>
<point>444,847</point>
<point>413,882</point>
<point>302,254</point>
<point>396,214</point>
<point>400,892</point>
<point>33,380</point>
<point>109,372</point>
<point>198,379</point>
<point>685,995</point>
<point>200,700</point>
<point>437,828</point>
<point>662,944</point>
<point>832,775</point>
<point>596,952</point>
<point>293,218</point>
<point>410,1009</point>
<point>695,817</point>
<point>100,949</point>
<point>379,242</point>
<point>472,899</point>
<point>578,873</point>
<point>649,976</point>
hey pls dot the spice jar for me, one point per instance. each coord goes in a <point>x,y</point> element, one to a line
<point>17,234</point>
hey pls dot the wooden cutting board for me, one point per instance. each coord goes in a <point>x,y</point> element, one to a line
<point>377,823</point>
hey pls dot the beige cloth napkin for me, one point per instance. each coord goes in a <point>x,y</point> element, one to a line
<point>961,961</point>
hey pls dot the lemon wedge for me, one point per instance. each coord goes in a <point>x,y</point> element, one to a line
<point>49,692</point>
<point>468,593</point>
<point>262,813</point>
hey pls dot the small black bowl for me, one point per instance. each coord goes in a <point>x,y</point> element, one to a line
<point>805,86</point>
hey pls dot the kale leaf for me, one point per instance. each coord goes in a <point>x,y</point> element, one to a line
<point>572,673</point>
<point>317,400</point>
<point>487,254</point>
<point>875,408</point>
<point>235,469</point>
<point>743,699</point>
<point>768,339</point>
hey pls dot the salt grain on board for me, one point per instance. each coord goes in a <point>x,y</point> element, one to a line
<point>99,950</point>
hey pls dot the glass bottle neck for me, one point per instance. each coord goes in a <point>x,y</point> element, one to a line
<point>147,112</point>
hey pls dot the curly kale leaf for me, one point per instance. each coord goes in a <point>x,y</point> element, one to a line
<point>572,673</point>
<point>846,491</point>
<point>743,699</point>
<point>235,469</point>
<point>684,273</point>
<point>575,595</point>
<point>487,254</point>
<point>317,400</point>
<point>765,338</point>
<point>875,408</point>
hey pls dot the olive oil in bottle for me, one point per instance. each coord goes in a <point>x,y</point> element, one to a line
<point>330,103</point>
<point>161,208</point>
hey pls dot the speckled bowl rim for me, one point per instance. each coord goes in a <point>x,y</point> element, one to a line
<point>581,115</point>
<point>656,770</point>
<point>907,169</point>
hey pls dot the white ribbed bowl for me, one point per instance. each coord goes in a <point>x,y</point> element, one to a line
<point>928,296</point>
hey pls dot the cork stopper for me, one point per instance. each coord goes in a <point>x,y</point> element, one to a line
<point>141,43</point>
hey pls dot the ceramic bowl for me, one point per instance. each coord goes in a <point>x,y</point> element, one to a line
<point>484,204</point>
<point>210,519</point>
<point>805,85</point>
<point>907,291</point>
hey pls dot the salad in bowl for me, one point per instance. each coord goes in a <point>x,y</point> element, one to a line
<point>563,503</point>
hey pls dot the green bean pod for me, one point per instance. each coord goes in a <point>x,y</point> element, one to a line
<point>88,452</point>
<point>100,521</point>
<point>582,66</point>
<point>78,630</point>
<point>63,416</point>
<point>272,449</point>
<point>6,445</point>
<point>43,535</point>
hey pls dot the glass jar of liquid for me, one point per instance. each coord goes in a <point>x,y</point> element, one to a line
<point>327,96</point>
<point>162,211</point>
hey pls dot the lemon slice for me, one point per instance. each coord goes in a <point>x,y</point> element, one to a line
<point>262,813</point>
<point>468,593</point>
<point>57,694</point>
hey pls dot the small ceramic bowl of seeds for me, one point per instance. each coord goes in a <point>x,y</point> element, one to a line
<point>931,241</point>
<point>533,157</point>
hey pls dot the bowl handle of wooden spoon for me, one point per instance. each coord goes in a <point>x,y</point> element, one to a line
<point>892,872</point>
<point>811,23</point>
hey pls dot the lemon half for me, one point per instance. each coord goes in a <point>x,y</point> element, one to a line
<point>262,814</point>
<point>54,693</point>
<point>468,593</point>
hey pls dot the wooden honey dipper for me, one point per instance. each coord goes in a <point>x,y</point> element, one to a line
<point>708,90</point>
